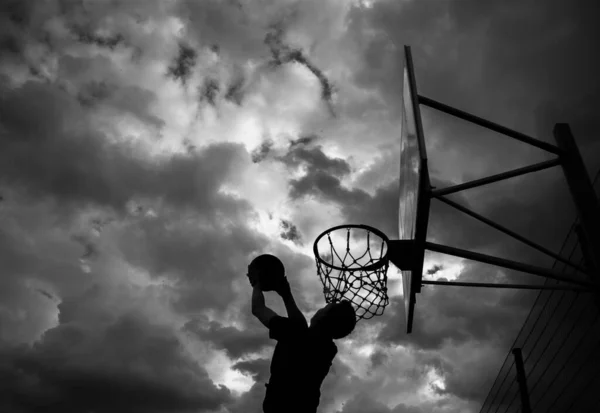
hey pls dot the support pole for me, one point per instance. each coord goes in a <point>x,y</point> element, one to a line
<point>522,380</point>
<point>582,191</point>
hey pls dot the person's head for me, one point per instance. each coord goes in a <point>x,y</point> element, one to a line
<point>335,320</point>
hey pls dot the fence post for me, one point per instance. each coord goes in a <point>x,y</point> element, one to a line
<point>522,380</point>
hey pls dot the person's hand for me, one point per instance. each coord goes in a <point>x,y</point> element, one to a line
<point>253,277</point>
<point>282,286</point>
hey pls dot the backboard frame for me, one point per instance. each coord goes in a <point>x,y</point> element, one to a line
<point>412,270</point>
<point>411,279</point>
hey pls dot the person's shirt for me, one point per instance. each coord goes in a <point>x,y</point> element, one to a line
<point>300,362</point>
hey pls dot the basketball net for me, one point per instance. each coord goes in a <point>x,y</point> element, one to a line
<point>352,265</point>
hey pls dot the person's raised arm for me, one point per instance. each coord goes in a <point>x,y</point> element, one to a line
<point>259,308</point>
<point>293,312</point>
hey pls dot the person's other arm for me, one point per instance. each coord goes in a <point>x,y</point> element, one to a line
<point>259,308</point>
<point>291,307</point>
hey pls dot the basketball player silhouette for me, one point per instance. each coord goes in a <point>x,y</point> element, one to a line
<point>303,354</point>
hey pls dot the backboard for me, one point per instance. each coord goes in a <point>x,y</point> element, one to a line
<point>413,210</point>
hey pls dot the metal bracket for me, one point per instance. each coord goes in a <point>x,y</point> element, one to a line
<point>402,254</point>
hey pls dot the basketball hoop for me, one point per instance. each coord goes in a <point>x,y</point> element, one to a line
<point>352,263</point>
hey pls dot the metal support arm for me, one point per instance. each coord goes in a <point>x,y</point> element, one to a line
<point>510,233</point>
<point>496,178</point>
<point>487,124</point>
<point>501,262</point>
<point>509,286</point>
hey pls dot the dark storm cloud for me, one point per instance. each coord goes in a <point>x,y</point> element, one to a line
<point>97,171</point>
<point>93,25</point>
<point>258,368</point>
<point>464,53</point>
<point>37,380</point>
<point>379,210</point>
<point>260,154</point>
<point>58,157</point>
<point>568,86</point>
<point>282,53</point>
<point>323,185</point>
<point>18,12</point>
<point>204,258</point>
<point>235,90</point>
<point>209,91</point>
<point>93,93</point>
<point>303,140</point>
<point>46,294</point>
<point>89,248</point>
<point>119,363</point>
<point>323,180</point>
<point>10,44</point>
<point>359,207</point>
<point>315,159</point>
<point>434,270</point>
<point>377,359</point>
<point>95,72</point>
<point>86,36</point>
<point>183,64</point>
<point>50,264</point>
<point>290,232</point>
<point>125,99</point>
<point>235,27</point>
<point>236,343</point>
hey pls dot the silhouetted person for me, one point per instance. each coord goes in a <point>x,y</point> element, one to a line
<point>303,354</point>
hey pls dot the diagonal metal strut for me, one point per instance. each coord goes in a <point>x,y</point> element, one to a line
<point>507,231</point>
<point>574,288</point>
<point>502,262</point>
<point>495,178</point>
<point>488,124</point>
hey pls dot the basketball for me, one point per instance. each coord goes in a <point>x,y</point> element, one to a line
<point>271,271</point>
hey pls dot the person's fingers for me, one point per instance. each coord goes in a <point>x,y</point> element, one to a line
<point>253,277</point>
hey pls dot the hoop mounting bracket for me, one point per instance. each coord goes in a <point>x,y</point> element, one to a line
<point>402,254</point>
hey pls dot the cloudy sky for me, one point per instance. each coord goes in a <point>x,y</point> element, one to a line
<point>149,149</point>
